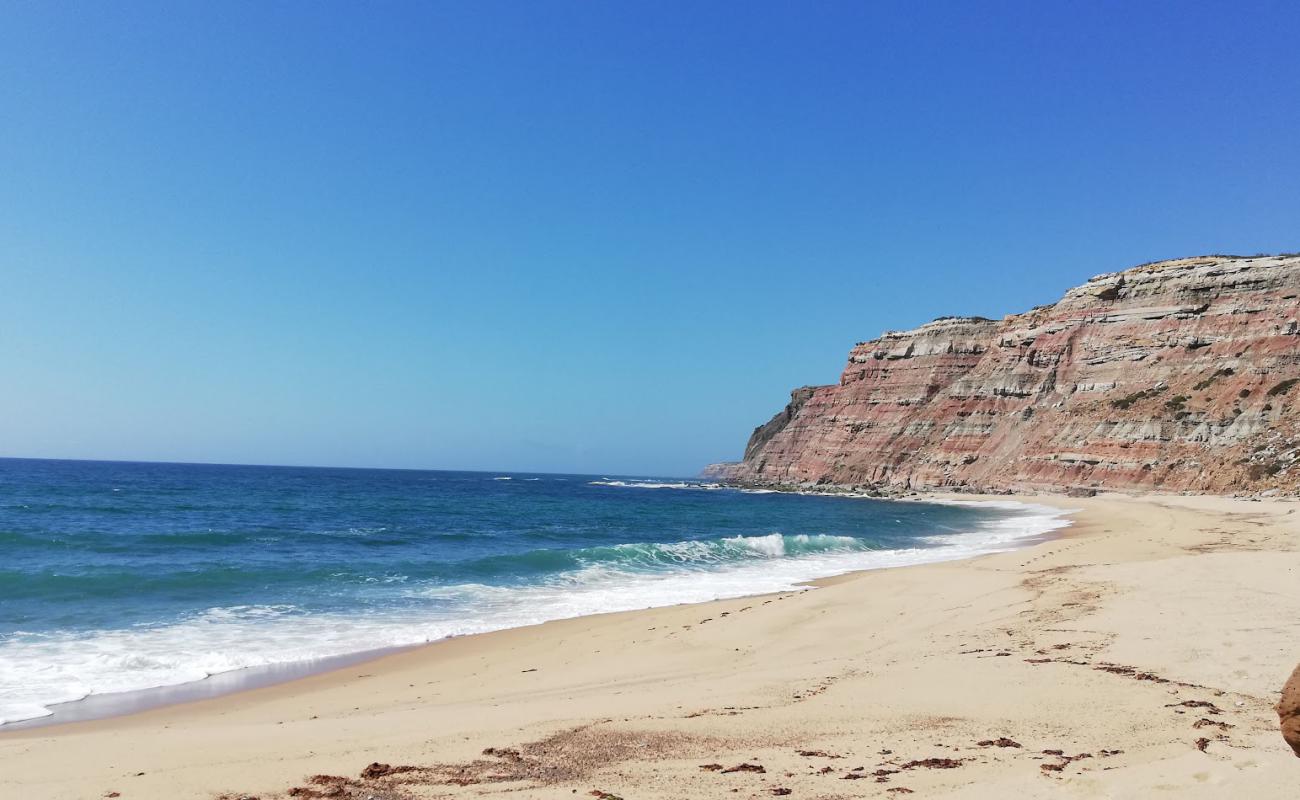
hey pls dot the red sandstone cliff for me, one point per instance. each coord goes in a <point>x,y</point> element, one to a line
<point>1179,375</point>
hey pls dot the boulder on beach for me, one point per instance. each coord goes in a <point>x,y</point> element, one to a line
<point>1288,711</point>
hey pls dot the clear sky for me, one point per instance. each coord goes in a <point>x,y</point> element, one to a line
<point>579,236</point>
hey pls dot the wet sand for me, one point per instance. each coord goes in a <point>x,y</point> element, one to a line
<point>1139,655</point>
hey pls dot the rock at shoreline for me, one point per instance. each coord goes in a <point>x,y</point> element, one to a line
<point>1180,375</point>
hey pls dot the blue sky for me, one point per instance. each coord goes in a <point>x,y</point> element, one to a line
<point>595,237</point>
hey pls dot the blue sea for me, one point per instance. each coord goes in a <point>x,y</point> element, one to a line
<point>121,577</point>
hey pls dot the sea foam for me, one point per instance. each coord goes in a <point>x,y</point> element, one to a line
<point>40,670</point>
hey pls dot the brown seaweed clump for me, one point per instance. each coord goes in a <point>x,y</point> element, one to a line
<point>1288,711</point>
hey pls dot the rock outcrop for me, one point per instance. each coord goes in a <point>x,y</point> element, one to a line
<point>1178,375</point>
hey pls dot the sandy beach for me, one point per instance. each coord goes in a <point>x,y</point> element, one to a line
<point>1138,655</point>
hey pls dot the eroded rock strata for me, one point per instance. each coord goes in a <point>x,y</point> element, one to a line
<point>1177,375</point>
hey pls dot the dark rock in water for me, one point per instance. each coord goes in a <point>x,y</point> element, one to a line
<point>1288,711</point>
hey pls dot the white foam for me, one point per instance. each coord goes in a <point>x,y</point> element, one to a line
<point>1010,530</point>
<point>772,545</point>
<point>37,671</point>
<point>649,484</point>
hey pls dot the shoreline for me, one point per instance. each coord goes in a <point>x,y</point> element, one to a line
<point>112,705</point>
<point>1109,639</point>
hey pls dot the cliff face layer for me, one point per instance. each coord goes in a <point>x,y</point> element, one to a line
<point>1178,375</point>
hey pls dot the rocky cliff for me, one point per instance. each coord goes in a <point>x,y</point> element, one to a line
<point>1178,375</point>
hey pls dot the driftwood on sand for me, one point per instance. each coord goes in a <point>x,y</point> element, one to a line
<point>1288,711</point>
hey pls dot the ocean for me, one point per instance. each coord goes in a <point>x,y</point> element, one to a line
<point>128,577</point>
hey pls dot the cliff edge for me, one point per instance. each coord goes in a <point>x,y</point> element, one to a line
<point>1178,375</point>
